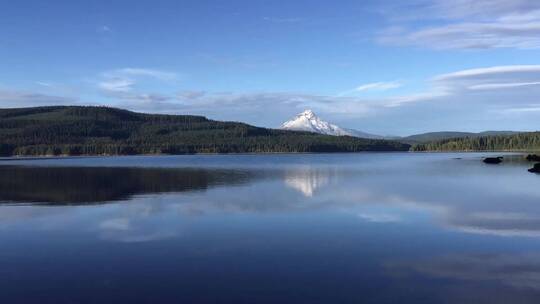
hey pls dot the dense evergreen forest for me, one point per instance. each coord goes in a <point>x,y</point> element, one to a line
<point>438,136</point>
<point>74,130</point>
<point>529,141</point>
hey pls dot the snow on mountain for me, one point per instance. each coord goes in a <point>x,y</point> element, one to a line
<point>308,121</point>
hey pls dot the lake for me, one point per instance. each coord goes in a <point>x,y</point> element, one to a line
<point>291,228</point>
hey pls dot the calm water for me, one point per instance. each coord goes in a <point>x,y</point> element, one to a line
<point>340,228</point>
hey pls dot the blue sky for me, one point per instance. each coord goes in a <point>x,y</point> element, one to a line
<point>378,66</point>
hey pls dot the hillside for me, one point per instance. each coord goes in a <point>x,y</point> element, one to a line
<point>437,136</point>
<point>73,130</point>
<point>516,142</point>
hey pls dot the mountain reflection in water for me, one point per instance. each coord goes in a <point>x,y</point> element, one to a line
<point>307,179</point>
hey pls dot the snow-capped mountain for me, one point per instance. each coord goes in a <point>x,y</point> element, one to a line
<point>308,121</point>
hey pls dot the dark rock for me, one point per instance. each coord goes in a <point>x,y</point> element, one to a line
<point>493,160</point>
<point>533,157</point>
<point>535,169</point>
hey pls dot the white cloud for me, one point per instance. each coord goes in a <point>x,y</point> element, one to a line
<point>491,78</point>
<point>378,86</point>
<point>481,9</point>
<point>373,87</point>
<point>490,72</point>
<point>117,85</point>
<point>492,86</point>
<point>469,24</point>
<point>521,110</point>
<point>123,84</point>
<point>429,96</point>
<point>44,84</point>
<point>163,75</point>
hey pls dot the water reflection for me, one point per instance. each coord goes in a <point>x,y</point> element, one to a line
<point>462,195</point>
<point>79,185</point>
<point>308,179</point>
<point>475,278</point>
<point>364,228</point>
<point>513,270</point>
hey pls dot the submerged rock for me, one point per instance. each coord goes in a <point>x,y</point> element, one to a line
<point>493,160</point>
<point>535,169</point>
<point>533,157</point>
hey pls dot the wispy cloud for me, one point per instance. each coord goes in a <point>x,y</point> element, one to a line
<point>379,86</point>
<point>135,72</point>
<point>469,24</point>
<point>123,84</point>
<point>117,84</point>
<point>492,86</point>
<point>520,110</point>
<point>490,72</point>
<point>44,84</point>
<point>373,87</point>
<point>491,78</point>
<point>191,94</point>
<point>432,95</point>
<point>490,82</point>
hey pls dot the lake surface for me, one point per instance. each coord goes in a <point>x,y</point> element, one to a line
<point>306,228</point>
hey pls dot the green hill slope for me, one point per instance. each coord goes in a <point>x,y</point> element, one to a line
<point>108,131</point>
<point>529,141</point>
<point>437,136</point>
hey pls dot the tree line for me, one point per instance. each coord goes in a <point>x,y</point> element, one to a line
<point>529,141</point>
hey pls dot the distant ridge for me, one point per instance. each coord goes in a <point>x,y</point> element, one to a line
<point>75,130</point>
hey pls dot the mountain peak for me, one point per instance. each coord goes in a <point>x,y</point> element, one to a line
<point>308,121</point>
<point>308,113</point>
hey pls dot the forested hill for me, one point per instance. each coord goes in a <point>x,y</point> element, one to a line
<point>438,136</point>
<point>529,141</point>
<point>74,130</point>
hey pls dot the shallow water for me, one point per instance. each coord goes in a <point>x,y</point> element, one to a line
<point>304,228</point>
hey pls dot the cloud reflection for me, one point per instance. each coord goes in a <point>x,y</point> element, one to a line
<point>521,271</point>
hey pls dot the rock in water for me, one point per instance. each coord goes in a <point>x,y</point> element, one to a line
<point>535,169</point>
<point>493,160</point>
<point>533,157</point>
